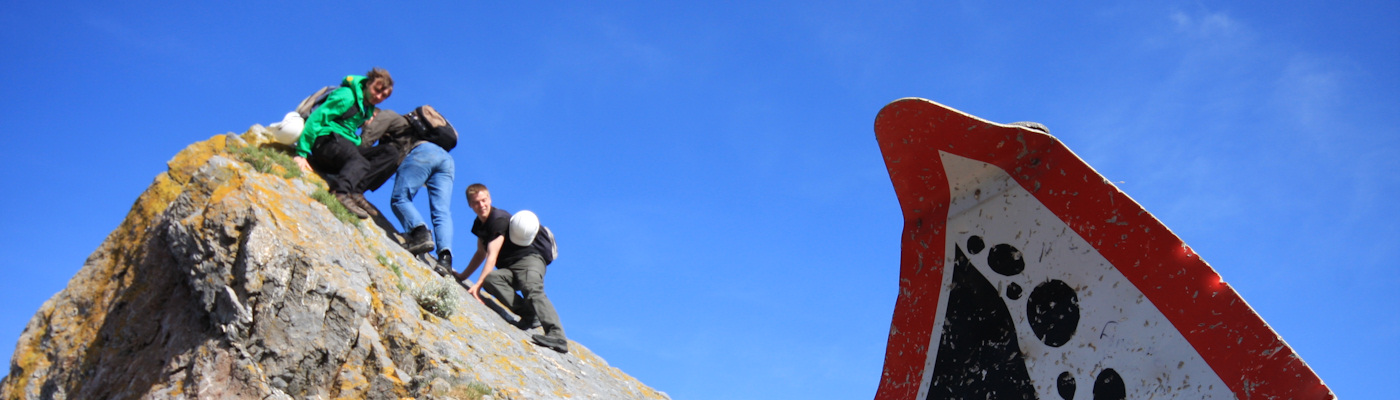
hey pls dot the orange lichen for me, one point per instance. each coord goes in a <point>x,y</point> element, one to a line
<point>64,335</point>
<point>351,384</point>
<point>183,165</point>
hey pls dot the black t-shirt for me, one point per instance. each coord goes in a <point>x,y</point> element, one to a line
<point>497,225</point>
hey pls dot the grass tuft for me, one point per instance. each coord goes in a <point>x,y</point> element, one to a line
<point>453,388</point>
<point>472,391</point>
<point>268,160</point>
<point>325,197</point>
<point>393,266</point>
<point>271,160</point>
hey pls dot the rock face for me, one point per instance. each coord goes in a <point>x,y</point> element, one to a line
<point>226,282</point>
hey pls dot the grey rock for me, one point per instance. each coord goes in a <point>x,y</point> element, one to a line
<point>223,282</point>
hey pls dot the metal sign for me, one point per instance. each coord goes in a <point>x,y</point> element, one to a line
<point>1024,274</point>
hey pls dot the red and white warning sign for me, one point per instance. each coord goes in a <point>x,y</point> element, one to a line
<point>1024,274</point>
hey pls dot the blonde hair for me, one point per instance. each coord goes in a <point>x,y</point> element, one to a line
<point>476,188</point>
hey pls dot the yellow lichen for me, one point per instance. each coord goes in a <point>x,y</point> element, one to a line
<point>183,165</point>
<point>62,334</point>
<point>351,384</point>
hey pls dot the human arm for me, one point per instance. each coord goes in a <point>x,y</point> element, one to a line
<point>492,250</point>
<point>477,258</point>
<point>375,130</point>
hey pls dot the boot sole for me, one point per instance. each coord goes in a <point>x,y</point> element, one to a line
<point>544,341</point>
<point>420,248</point>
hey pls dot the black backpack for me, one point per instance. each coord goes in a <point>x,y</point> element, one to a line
<point>430,126</point>
<point>315,100</point>
<point>544,242</point>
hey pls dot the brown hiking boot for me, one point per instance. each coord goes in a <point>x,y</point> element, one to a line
<point>351,205</point>
<point>364,204</point>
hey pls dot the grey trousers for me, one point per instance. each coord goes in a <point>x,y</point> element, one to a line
<point>527,276</point>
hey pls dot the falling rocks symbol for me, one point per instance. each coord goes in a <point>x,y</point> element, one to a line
<point>978,354</point>
<point>1108,303</point>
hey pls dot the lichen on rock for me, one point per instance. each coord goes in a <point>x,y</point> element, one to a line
<point>227,282</point>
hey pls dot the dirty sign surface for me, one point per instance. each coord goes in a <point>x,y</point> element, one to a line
<point>1025,274</point>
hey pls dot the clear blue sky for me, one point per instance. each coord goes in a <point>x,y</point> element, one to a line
<point>727,226</point>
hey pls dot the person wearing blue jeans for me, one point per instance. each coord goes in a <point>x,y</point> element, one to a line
<point>426,165</point>
<point>423,164</point>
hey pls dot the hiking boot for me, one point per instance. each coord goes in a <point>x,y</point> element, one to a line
<point>419,240</point>
<point>351,205</point>
<point>364,204</point>
<point>556,344</point>
<point>445,259</point>
<point>527,323</point>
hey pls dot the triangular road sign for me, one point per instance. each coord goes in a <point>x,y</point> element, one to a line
<point>1024,274</point>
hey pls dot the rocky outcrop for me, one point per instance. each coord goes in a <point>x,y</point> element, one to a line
<point>228,282</point>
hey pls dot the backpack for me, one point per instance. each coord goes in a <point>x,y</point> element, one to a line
<point>289,130</point>
<point>430,126</point>
<point>544,242</point>
<point>315,100</point>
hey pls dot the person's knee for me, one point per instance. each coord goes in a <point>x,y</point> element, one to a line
<point>533,283</point>
<point>496,286</point>
<point>401,196</point>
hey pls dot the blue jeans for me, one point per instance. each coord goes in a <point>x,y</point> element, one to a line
<point>428,165</point>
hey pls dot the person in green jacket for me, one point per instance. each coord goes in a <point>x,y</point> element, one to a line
<point>329,142</point>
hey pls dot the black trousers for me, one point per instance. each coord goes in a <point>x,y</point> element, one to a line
<point>350,169</point>
<point>383,163</point>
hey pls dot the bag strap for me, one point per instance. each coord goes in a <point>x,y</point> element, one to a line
<point>349,112</point>
<point>318,99</point>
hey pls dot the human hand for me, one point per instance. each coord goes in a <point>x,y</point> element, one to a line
<point>475,291</point>
<point>301,163</point>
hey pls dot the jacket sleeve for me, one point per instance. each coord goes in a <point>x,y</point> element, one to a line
<point>322,121</point>
<point>387,127</point>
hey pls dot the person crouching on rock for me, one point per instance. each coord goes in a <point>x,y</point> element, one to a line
<point>329,142</point>
<point>523,269</point>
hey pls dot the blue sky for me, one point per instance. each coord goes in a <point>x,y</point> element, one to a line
<point>726,224</point>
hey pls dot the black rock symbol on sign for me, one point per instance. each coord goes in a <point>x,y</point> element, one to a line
<point>979,355</point>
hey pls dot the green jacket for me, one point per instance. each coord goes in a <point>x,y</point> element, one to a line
<point>324,120</point>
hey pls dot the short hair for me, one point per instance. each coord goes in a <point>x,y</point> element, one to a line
<point>476,188</point>
<point>377,74</point>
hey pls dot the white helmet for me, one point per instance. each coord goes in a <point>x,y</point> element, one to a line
<point>523,227</point>
<point>289,130</point>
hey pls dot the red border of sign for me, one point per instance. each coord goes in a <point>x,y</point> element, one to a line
<point>1241,348</point>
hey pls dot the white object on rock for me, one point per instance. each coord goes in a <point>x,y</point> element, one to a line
<point>289,130</point>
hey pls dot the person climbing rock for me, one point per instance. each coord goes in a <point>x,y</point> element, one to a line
<point>523,270</point>
<point>421,164</point>
<point>329,141</point>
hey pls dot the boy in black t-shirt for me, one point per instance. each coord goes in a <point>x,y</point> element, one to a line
<point>522,269</point>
